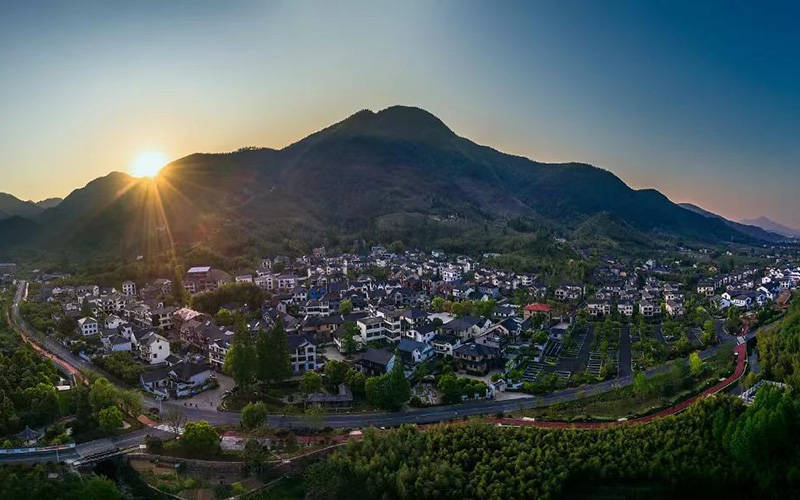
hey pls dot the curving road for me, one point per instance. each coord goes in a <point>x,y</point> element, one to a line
<point>359,420</point>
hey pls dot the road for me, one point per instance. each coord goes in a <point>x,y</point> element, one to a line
<point>378,419</point>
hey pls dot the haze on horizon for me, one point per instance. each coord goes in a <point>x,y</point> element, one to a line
<point>701,102</point>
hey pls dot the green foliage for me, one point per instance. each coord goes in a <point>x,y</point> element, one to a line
<point>27,483</point>
<point>455,389</point>
<point>200,438</point>
<point>764,436</point>
<point>310,382</point>
<point>240,362</point>
<point>345,306</point>
<point>390,390</point>
<point>233,293</point>
<point>272,353</point>
<point>695,364</point>
<point>779,349</point>
<point>254,414</point>
<point>483,461</point>
<point>121,365</point>
<point>335,372</point>
<point>110,418</point>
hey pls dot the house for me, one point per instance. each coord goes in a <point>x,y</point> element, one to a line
<point>342,399</point>
<point>303,353</point>
<point>156,381</point>
<point>187,378</point>
<point>477,358</point>
<point>371,329</point>
<point>162,317</point>
<point>569,291</point>
<point>117,343</point>
<point>646,309</point>
<point>152,348</point>
<point>375,362</point>
<point>88,326</point>
<point>598,308</point>
<point>534,309</point>
<point>445,344</point>
<point>202,278</point>
<point>217,351</point>
<point>674,308</point>
<point>625,308</point>
<point>129,288</point>
<point>466,327</point>
<point>422,333</point>
<point>413,352</point>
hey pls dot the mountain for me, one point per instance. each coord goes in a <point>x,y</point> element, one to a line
<point>398,175</point>
<point>772,226</point>
<point>48,203</point>
<point>752,230</point>
<point>13,206</point>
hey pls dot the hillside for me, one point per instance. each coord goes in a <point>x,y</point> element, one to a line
<point>752,230</point>
<point>12,206</point>
<point>396,175</point>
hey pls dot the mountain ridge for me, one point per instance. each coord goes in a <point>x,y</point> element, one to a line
<point>399,174</point>
<point>768,224</point>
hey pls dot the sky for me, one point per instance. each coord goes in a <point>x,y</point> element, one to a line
<point>700,100</point>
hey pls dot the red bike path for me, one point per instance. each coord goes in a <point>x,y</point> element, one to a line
<point>741,354</point>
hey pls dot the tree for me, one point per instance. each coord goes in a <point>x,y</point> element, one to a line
<point>175,420</point>
<point>709,332</point>
<point>110,418</point>
<point>437,304</point>
<point>224,317</point>
<point>254,414</point>
<point>335,372</point>
<point>102,394</point>
<point>349,332</point>
<point>390,390</point>
<point>310,382</point>
<point>200,438</point>
<point>641,385</point>
<point>99,488</point>
<point>695,364</point>
<point>274,364</point>
<point>356,381</point>
<point>240,362</point>
<point>345,306</point>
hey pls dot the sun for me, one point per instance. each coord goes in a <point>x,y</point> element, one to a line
<point>148,164</point>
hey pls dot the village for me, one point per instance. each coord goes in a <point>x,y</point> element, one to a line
<point>487,332</point>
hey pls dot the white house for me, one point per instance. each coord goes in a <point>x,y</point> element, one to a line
<point>152,348</point>
<point>129,288</point>
<point>88,326</point>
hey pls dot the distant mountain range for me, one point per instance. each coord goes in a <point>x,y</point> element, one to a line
<point>398,175</point>
<point>772,226</point>
<point>752,230</point>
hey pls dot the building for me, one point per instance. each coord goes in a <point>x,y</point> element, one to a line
<point>477,358</point>
<point>371,329</point>
<point>413,352</point>
<point>129,288</point>
<point>152,348</point>
<point>375,362</point>
<point>202,278</point>
<point>88,326</point>
<point>302,352</point>
<point>534,309</point>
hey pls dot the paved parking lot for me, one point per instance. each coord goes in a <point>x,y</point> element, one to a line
<point>211,398</point>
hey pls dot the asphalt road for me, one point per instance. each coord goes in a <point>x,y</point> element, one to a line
<point>624,357</point>
<point>360,420</point>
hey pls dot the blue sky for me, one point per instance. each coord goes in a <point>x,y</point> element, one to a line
<point>699,100</point>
